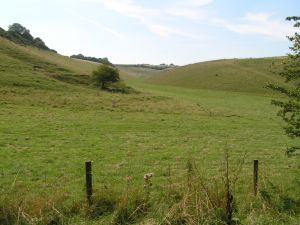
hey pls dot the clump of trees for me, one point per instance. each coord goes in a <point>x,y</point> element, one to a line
<point>290,108</point>
<point>105,75</point>
<point>92,59</point>
<point>108,78</point>
<point>21,35</point>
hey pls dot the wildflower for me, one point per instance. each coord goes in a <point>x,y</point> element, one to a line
<point>147,178</point>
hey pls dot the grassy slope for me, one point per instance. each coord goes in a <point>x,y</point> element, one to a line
<point>138,72</point>
<point>77,66</point>
<point>49,128</point>
<point>243,75</point>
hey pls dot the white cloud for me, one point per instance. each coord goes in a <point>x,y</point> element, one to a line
<point>165,31</point>
<point>146,16</point>
<point>130,8</point>
<point>161,30</point>
<point>184,12</point>
<point>257,17</point>
<point>96,23</point>
<point>258,23</point>
<point>199,2</point>
<point>190,9</point>
<point>101,26</point>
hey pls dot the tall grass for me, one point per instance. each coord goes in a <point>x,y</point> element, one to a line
<point>197,200</point>
<point>205,200</point>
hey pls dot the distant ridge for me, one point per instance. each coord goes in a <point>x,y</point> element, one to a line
<point>92,59</point>
<point>149,66</point>
<point>242,75</point>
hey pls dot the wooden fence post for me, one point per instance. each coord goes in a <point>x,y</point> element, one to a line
<point>89,182</point>
<point>255,176</point>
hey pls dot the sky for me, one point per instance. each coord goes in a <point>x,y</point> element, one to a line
<point>157,31</point>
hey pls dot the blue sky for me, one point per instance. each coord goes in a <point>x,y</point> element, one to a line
<point>157,31</point>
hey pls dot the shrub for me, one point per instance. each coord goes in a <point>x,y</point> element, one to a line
<point>105,74</point>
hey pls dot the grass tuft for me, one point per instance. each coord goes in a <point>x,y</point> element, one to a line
<point>104,203</point>
<point>132,206</point>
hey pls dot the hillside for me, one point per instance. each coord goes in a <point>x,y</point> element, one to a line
<point>40,69</point>
<point>29,75</point>
<point>242,75</point>
<point>23,53</point>
<point>12,53</point>
<point>137,72</point>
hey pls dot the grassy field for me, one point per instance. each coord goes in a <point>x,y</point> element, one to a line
<point>137,72</point>
<point>50,124</point>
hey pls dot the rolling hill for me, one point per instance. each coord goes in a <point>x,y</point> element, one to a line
<point>137,72</point>
<point>29,75</point>
<point>242,75</point>
<point>28,54</point>
<point>27,61</point>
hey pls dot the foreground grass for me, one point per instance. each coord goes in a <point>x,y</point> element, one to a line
<point>47,137</point>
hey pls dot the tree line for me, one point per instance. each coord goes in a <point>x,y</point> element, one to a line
<point>92,59</point>
<point>21,35</point>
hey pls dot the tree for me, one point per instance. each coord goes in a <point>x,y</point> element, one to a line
<point>290,108</point>
<point>105,74</point>
<point>92,59</point>
<point>39,43</point>
<point>18,29</point>
<point>21,35</point>
<point>105,61</point>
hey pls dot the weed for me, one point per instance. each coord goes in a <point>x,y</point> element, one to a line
<point>130,208</point>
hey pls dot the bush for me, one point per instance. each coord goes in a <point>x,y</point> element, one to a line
<point>105,74</point>
<point>108,79</point>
